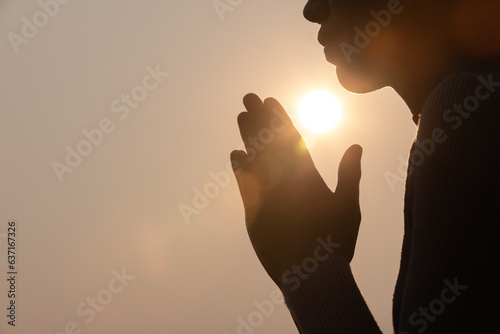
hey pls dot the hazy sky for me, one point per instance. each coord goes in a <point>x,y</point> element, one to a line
<point>102,245</point>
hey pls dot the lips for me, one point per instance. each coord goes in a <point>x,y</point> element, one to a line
<point>330,41</point>
<point>332,51</point>
<point>325,36</point>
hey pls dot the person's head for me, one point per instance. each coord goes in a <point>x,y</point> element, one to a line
<point>402,43</point>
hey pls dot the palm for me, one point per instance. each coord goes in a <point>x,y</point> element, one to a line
<point>287,203</point>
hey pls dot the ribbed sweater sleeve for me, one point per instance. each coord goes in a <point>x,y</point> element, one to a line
<point>329,301</point>
<point>451,250</point>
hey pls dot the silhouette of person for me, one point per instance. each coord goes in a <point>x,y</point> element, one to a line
<point>442,58</point>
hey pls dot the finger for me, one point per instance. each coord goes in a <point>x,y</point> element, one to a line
<point>253,103</point>
<point>246,180</point>
<point>281,120</point>
<point>253,126</point>
<point>266,114</point>
<point>259,113</point>
<point>277,110</point>
<point>239,161</point>
<point>248,130</point>
<point>274,134</point>
<point>349,173</point>
<point>287,138</point>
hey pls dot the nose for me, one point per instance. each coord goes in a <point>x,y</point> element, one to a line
<point>317,10</point>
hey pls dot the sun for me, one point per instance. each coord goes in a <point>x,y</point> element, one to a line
<point>319,111</point>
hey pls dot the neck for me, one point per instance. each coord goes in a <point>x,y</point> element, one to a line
<point>421,72</point>
<point>415,91</point>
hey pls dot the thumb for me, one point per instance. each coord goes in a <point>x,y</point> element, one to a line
<point>350,172</point>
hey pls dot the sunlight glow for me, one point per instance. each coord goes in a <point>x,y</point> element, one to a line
<point>319,111</point>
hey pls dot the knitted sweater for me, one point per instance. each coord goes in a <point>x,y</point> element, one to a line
<point>449,280</point>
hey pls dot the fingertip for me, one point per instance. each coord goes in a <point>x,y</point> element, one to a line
<point>356,149</point>
<point>353,158</point>
<point>270,101</point>
<point>251,99</point>
<point>241,117</point>
<point>250,96</point>
<point>233,154</point>
<point>349,173</point>
<point>237,158</point>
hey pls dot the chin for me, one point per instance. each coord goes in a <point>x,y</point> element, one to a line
<point>355,82</point>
